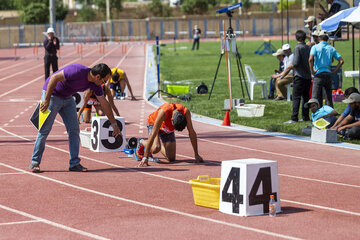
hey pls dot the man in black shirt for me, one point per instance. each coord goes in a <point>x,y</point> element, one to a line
<point>51,45</point>
<point>302,78</point>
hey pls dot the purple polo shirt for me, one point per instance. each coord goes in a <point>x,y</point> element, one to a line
<point>76,80</point>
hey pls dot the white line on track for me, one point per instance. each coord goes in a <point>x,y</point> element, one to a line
<point>38,78</point>
<point>144,205</point>
<point>54,224</point>
<point>13,173</point>
<point>277,154</point>
<point>26,70</point>
<point>21,222</point>
<point>170,178</point>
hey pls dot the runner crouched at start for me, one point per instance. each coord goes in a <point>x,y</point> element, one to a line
<point>161,125</point>
<point>91,100</point>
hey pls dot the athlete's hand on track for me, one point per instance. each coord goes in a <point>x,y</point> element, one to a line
<point>44,105</point>
<point>144,163</point>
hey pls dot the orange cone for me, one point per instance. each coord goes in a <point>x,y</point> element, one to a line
<point>226,121</point>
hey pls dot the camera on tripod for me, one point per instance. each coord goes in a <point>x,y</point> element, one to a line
<point>228,43</point>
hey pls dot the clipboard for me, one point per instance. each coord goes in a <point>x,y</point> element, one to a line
<point>38,118</point>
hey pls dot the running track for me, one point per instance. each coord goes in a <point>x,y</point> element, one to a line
<point>319,184</point>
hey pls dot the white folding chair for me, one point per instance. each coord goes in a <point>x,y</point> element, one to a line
<point>253,81</point>
<point>288,97</point>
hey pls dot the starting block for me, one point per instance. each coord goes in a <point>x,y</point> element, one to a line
<point>101,135</point>
<point>246,186</point>
<point>323,135</point>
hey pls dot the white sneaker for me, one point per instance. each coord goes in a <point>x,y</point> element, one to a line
<point>290,121</point>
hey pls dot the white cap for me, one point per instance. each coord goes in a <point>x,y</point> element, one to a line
<point>285,47</point>
<point>50,30</point>
<point>310,19</point>
<point>323,33</point>
<point>278,52</point>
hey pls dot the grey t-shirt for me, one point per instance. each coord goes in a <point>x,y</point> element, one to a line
<point>301,61</point>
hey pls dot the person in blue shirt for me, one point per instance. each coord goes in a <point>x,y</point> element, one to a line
<point>321,56</point>
<point>325,112</point>
<point>347,110</point>
<point>350,126</point>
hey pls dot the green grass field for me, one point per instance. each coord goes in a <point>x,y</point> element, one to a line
<point>186,67</point>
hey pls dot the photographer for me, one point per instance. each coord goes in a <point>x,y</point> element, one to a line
<point>51,44</point>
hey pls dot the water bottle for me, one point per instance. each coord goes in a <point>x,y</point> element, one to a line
<point>272,206</point>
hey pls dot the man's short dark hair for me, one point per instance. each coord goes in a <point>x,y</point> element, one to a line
<point>324,38</point>
<point>350,90</point>
<point>101,69</point>
<point>179,121</point>
<point>115,77</point>
<point>300,35</point>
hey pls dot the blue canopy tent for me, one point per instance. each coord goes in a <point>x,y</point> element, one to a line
<point>351,16</point>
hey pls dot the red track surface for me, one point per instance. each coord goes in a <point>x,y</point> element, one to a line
<point>319,184</point>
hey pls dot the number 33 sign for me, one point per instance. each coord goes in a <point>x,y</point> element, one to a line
<point>246,186</point>
<point>101,135</point>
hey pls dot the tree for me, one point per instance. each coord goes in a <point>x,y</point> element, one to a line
<point>87,14</point>
<point>60,10</point>
<point>160,10</point>
<point>7,5</point>
<point>195,6</point>
<point>246,4</point>
<point>114,4</point>
<point>35,13</point>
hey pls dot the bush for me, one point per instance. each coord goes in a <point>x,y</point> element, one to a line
<point>195,6</point>
<point>87,14</point>
<point>35,13</point>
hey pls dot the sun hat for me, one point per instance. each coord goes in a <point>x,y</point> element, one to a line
<point>286,46</point>
<point>312,100</point>
<point>323,33</point>
<point>354,97</point>
<point>278,52</point>
<point>310,19</point>
<point>50,30</point>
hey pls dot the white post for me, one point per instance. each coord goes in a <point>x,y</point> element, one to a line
<point>52,13</point>
<point>108,10</point>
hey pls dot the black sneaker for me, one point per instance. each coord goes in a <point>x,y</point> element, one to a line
<point>78,168</point>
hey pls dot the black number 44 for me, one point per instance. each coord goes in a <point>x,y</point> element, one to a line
<point>263,176</point>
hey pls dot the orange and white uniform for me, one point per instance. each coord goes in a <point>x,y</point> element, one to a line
<point>168,108</point>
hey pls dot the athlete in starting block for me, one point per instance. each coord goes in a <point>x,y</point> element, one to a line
<point>161,125</point>
<point>118,82</point>
<point>91,100</point>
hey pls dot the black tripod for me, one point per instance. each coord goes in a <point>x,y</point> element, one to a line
<point>230,36</point>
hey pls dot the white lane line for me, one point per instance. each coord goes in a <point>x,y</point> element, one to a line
<point>21,222</point>
<point>17,116</point>
<point>164,177</point>
<point>54,224</point>
<point>144,205</point>
<point>322,181</point>
<point>321,207</point>
<point>38,78</point>
<point>26,70</point>
<point>1,174</point>
<point>275,153</point>
<point>11,120</point>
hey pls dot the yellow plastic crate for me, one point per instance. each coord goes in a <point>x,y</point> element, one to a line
<point>206,191</point>
<point>177,89</point>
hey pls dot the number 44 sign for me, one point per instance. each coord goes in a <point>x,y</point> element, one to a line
<point>246,186</point>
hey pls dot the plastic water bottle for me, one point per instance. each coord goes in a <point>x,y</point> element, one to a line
<point>272,206</point>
